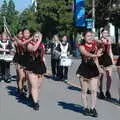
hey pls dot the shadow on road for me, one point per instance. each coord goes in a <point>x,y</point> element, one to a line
<point>71,106</point>
<point>112,100</point>
<point>52,78</point>
<point>74,88</point>
<point>13,92</point>
<point>48,76</point>
<point>78,89</point>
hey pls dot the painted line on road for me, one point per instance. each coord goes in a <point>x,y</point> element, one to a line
<point>74,85</point>
<point>68,83</point>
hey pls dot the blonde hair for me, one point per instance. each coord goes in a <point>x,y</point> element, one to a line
<point>56,38</point>
<point>37,33</point>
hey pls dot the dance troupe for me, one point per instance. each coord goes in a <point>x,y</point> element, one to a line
<point>29,59</point>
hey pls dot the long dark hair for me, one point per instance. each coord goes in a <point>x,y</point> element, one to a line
<point>83,40</point>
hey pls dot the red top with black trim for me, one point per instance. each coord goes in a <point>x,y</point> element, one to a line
<point>106,46</point>
<point>40,50</point>
<point>22,48</point>
<point>92,47</point>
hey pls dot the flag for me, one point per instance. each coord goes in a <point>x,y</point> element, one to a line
<point>79,13</point>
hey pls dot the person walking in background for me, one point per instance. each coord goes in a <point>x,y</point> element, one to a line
<point>64,50</point>
<point>118,69</point>
<point>6,48</point>
<point>106,61</point>
<point>54,57</point>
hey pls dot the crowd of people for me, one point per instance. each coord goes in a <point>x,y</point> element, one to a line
<point>29,58</point>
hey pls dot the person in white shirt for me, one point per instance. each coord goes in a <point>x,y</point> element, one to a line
<point>6,47</point>
<point>64,49</point>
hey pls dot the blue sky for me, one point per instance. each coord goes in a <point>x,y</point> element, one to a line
<point>20,4</point>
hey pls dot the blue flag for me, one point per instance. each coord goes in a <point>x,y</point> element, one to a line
<point>79,13</point>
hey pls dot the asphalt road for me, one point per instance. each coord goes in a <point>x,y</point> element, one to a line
<point>58,101</point>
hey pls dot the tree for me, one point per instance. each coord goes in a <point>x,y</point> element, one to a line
<point>102,11</point>
<point>11,15</point>
<point>3,12</point>
<point>27,19</point>
<point>55,16</point>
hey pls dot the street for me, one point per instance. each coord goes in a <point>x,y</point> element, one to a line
<point>58,100</point>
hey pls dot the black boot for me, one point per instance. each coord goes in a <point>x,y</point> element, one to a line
<point>30,100</point>
<point>101,95</point>
<point>108,95</point>
<point>93,112</point>
<point>36,106</point>
<point>86,112</point>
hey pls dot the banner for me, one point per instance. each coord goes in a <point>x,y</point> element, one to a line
<point>79,13</point>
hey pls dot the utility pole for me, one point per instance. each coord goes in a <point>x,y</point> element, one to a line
<point>93,14</point>
<point>34,2</point>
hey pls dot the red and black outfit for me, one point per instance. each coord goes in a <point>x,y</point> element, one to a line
<point>105,60</point>
<point>17,54</point>
<point>88,69</point>
<point>16,57</point>
<point>23,54</point>
<point>35,62</point>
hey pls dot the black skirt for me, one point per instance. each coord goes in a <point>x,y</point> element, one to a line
<point>118,61</point>
<point>88,70</point>
<point>36,66</point>
<point>16,58</point>
<point>23,59</point>
<point>105,60</point>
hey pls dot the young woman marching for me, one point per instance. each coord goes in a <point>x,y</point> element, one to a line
<point>36,67</point>
<point>16,57</point>
<point>88,72</point>
<point>118,70</point>
<point>22,40</point>
<point>106,61</point>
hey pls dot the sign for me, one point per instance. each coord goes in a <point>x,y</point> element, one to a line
<point>79,13</point>
<point>89,23</point>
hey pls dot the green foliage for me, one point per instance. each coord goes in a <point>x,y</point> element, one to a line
<point>55,16</point>
<point>103,11</point>
<point>27,19</point>
<point>11,15</point>
<point>16,20</point>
